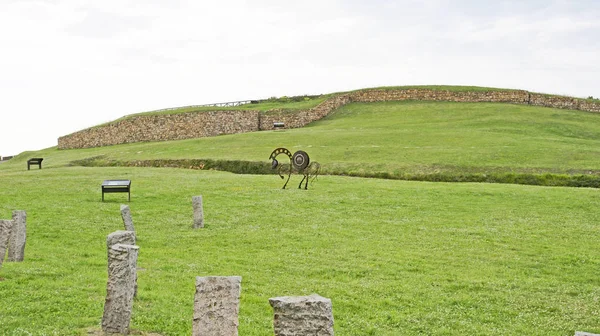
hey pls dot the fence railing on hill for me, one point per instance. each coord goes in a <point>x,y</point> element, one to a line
<point>227,104</point>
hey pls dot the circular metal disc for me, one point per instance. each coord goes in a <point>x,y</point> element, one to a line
<point>300,160</point>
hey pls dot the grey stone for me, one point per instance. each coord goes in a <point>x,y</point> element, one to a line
<point>5,229</point>
<point>583,333</point>
<point>120,237</point>
<point>198,212</point>
<point>122,260</point>
<point>216,306</point>
<point>302,315</point>
<point>125,238</point>
<point>18,236</point>
<point>127,220</point>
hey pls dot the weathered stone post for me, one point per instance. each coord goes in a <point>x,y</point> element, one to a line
<point>216,306</point>
<point>198,212</point>
<point>120,288</point>
<point>302,315</point>
<point>127,220</point>
<point>18,236</point>
<point>125,238</point>
<point>5,229</point>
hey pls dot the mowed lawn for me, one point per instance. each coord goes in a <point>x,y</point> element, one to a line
<point>395,257</point>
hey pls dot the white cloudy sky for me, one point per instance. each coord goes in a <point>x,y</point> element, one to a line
<point>69,64</point>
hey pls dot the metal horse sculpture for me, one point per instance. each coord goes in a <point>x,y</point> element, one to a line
<point>299,162</point>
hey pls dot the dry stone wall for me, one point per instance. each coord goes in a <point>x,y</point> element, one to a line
<point>514,97</point>
<point>303,117</point>
<point>570,103</point>
<point>203,124</point>
<point>163,127</point>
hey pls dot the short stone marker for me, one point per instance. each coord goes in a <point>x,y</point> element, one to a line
<point>125,238</point>
<point>198,212</point>
<point>216,306</point>
<point>302,315</point>
<point>18,236</point>
<point>5,229</point>
<point>583,333</point>
<point>126,215</point>
<point>122,260</point>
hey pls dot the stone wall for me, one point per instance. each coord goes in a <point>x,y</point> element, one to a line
<point>562,102</point>
<point>589,106</point>
<point>203,124</point>
<point>163,127</point>
<point>514,97</point>
<point>303,117</point>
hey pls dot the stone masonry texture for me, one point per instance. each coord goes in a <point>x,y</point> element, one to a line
<point>203,124</point>
<point>120,287</point>
<point>302,315</point>
<point>5,228</point>
<point>18,236</point>
<point>216,306</point>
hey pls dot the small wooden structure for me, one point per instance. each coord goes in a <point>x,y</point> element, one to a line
<point>34,161</point>
<point>278,125</point>
<point>116,186</point>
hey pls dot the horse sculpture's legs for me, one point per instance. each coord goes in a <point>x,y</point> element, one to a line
<point>306,183</point>
<point>288,179</point>
<point>286,182</point>
<point>300,185</point>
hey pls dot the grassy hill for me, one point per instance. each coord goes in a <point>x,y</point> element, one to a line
<point>395,257</point>
<point>477,142</point>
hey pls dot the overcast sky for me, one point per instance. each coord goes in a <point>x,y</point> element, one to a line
<point>66,65</point>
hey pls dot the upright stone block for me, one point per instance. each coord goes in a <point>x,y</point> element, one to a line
<point>125,238</point>
<point>122,260</point>
<point>302,315</point>
<point>5,229</point>
<point>127,220</point>
<point>120,237</point>
<point>18,236</point>
<point>198,212</point>
<point>216,306</point>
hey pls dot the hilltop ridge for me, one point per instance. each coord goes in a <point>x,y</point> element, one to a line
<point>195,122</point>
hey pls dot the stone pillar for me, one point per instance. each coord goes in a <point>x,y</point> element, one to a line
<point>127,220</point>
<point>125,238</point>
<point>198,212</point>
<point>18,236</point>
<point>120,288</point>
<point>302,315</point>
<point>216,306</point>
<point>5,229</point>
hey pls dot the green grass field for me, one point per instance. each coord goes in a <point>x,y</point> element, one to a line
<point>396,257</point>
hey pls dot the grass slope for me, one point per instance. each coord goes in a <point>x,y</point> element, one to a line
<point>396,258</point>
<point>432,141</point>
